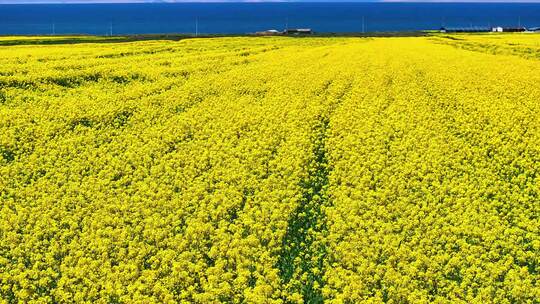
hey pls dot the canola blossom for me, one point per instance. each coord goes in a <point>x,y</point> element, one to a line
<point>270,170</point>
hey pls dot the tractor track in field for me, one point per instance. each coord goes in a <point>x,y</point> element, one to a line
<point>302,260</point>
<point>303,255</point>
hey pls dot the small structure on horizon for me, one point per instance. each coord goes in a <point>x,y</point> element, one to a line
<point>473,29</point>
<point>269,33</point>
<point>534,29</point>
<point>509,29</point>
<point>299,31</point>
<point>480,29</point>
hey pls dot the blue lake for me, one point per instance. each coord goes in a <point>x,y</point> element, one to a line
<point>231,18</point>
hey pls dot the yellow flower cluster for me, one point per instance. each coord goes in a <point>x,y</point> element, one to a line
<point>270,170</point>
<point>435,183</point>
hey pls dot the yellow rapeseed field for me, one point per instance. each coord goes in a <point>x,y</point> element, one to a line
<point>270,170</point>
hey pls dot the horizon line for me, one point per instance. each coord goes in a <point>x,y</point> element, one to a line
<point>30,2</point>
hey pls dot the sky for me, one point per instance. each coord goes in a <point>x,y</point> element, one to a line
<point>165,1</point>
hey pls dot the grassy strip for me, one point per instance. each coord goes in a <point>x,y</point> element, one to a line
<point>301,262</point>
<point>76,39</point>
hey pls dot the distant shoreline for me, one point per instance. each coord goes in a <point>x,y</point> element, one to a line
<point>81,38</point>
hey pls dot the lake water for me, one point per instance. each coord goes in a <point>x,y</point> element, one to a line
<point>231,18</point>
